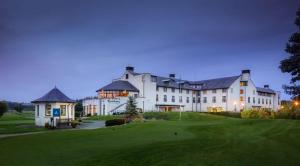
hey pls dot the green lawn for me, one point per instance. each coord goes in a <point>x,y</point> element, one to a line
<point>14,122</point>
<point>198,139</point>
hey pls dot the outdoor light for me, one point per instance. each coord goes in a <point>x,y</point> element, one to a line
<point>234,103</point>
<point>242,104</point>
<point>296,103</point>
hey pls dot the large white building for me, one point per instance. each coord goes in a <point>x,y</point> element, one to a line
<point>156,93</point>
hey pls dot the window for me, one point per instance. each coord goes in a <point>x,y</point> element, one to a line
<point>187,99</point>
<point>154,79</point>
<point>157,89</point>
<point>47,110</point>
<point>198,93</point>
<point>173,99</point>
<point>63,110</point>
<point>157,97</point>
<point>270,102</point>
<point>241,98</point>
<point>180,90</point>
<point>258,100</point>
<point>224,99</point>
<point>214,99</point>
<point>173,90</point>
<point>126,76</point>
<point>194,99</point>
<point>204,99</point>
<point>180,99</point>
<point>205,92</point>
<point>241,91</point>
<point>37,110</point>
<point>253,100</point>
<point>231,90</point>
<point>165,89</point>
<point>249,100</point>
<point>263,101</point>
<point>187,91</point>
<point>253,92</point>
<point>243,83</point>
<point>214,91</point>
<point>165,98</point>
<point>199,100</point>
<point>224,90</point>
<point>135,95</point>
<point>266,101</point>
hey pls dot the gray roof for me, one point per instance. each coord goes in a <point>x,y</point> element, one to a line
<point>218,83</point>
<point>173,83</point>
<point>55,95</point>
<point>265,90</point>
<point>119,86</point>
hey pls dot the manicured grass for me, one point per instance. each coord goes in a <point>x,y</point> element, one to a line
<point>14,122</point>
<point>198,139</point>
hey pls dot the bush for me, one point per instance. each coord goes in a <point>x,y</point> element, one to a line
<point>227,113</point>
<point>114,122</point>
<point>3,108</point>
<point>74,123</point>
<point>156,115</point>
<point>258,114</point>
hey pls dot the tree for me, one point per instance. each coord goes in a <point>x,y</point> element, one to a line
<point>3,108</point>
<point>19,107</point>
<point>131,110</point>
<point>78,109</point>
<point>291,64</point>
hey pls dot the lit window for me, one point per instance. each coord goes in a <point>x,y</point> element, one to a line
<point>241,98</point>
<point>48,110</point>
<point>243,83</point>
<point>241,91</point>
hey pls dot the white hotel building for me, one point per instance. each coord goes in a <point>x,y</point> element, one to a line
<point>156,93</point>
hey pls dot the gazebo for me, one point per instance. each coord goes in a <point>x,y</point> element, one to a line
<point>54,108</point>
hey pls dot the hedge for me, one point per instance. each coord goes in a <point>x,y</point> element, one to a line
<point>114,122</point>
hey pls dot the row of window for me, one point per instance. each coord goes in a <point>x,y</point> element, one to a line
<point>214,99</point>
<point>48,110</point>
<point>262,101</point>
<point>165,89</point>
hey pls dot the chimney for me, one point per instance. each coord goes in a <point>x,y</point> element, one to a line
<point>172,75</point>
<point>245,75</point>
<point>266,86</point>
<point>129,68</point>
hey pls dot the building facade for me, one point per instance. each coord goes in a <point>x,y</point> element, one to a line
<point>156,93</point>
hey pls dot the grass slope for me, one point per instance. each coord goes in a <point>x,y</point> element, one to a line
<point>201,139</point>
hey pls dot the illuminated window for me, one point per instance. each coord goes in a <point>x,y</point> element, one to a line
<point>241,91</point>
<point>63,110</point>
<point>47,110</point>
<point>241,98</point>
<point>243,83</point>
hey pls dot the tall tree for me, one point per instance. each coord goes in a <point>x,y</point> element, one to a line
<point>291,64</point>
<point>3,108</point>
<point>78,109</point>
<point>131,107</point>
<point>19,107</point>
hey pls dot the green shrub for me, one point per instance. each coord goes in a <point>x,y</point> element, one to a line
<point>156,115</point>
<point>114,122</point>
<point>74,123</point>
<point>258,114</point>
<point>227,113</point>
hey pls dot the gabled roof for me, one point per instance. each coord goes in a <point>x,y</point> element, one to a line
<point>173,83</point>
<point>265,90</point>
<point>218,83</point>
<point>119,86</point>
<point>55,95</point>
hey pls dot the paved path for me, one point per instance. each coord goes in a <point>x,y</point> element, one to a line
<point>88,125</point>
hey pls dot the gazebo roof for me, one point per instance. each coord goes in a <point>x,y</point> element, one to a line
<point>53,96</point>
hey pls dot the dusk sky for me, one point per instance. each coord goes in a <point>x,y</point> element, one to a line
<point>80,46</point>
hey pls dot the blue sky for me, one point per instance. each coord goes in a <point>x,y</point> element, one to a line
<point>80,46</point>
